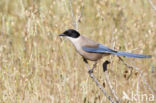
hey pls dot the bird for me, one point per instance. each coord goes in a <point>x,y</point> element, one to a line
<point>94,51</point>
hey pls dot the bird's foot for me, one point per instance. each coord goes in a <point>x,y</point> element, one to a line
<point>90,71</point>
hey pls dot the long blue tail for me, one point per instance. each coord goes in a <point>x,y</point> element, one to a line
<point>103,49</point>
<point>120,53</point>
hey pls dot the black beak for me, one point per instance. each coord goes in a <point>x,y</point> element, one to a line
<point>61,35</point>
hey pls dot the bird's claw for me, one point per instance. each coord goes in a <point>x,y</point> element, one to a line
<point>90,71</point>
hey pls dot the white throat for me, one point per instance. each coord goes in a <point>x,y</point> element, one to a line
<point>73,40</point>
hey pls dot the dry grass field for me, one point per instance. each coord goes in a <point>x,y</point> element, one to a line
<point>37,66</point>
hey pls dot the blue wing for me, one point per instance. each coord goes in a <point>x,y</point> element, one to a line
<point>103,49</point>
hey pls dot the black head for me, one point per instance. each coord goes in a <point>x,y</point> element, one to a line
<point>71,33</point>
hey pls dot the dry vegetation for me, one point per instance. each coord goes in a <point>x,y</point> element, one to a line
<point>36,66</point>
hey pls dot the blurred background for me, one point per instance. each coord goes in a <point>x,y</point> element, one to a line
<point>37,66</point>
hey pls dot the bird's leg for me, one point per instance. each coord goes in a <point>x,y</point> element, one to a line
<point>94,65</point>
<point>85,60</point>
<point>105,65</point>
<point>91,70</point>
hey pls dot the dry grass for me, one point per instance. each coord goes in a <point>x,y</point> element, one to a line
<point>36,66</point>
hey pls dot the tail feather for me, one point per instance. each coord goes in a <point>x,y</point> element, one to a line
<point>103,49</point>
<point>120,53</point>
